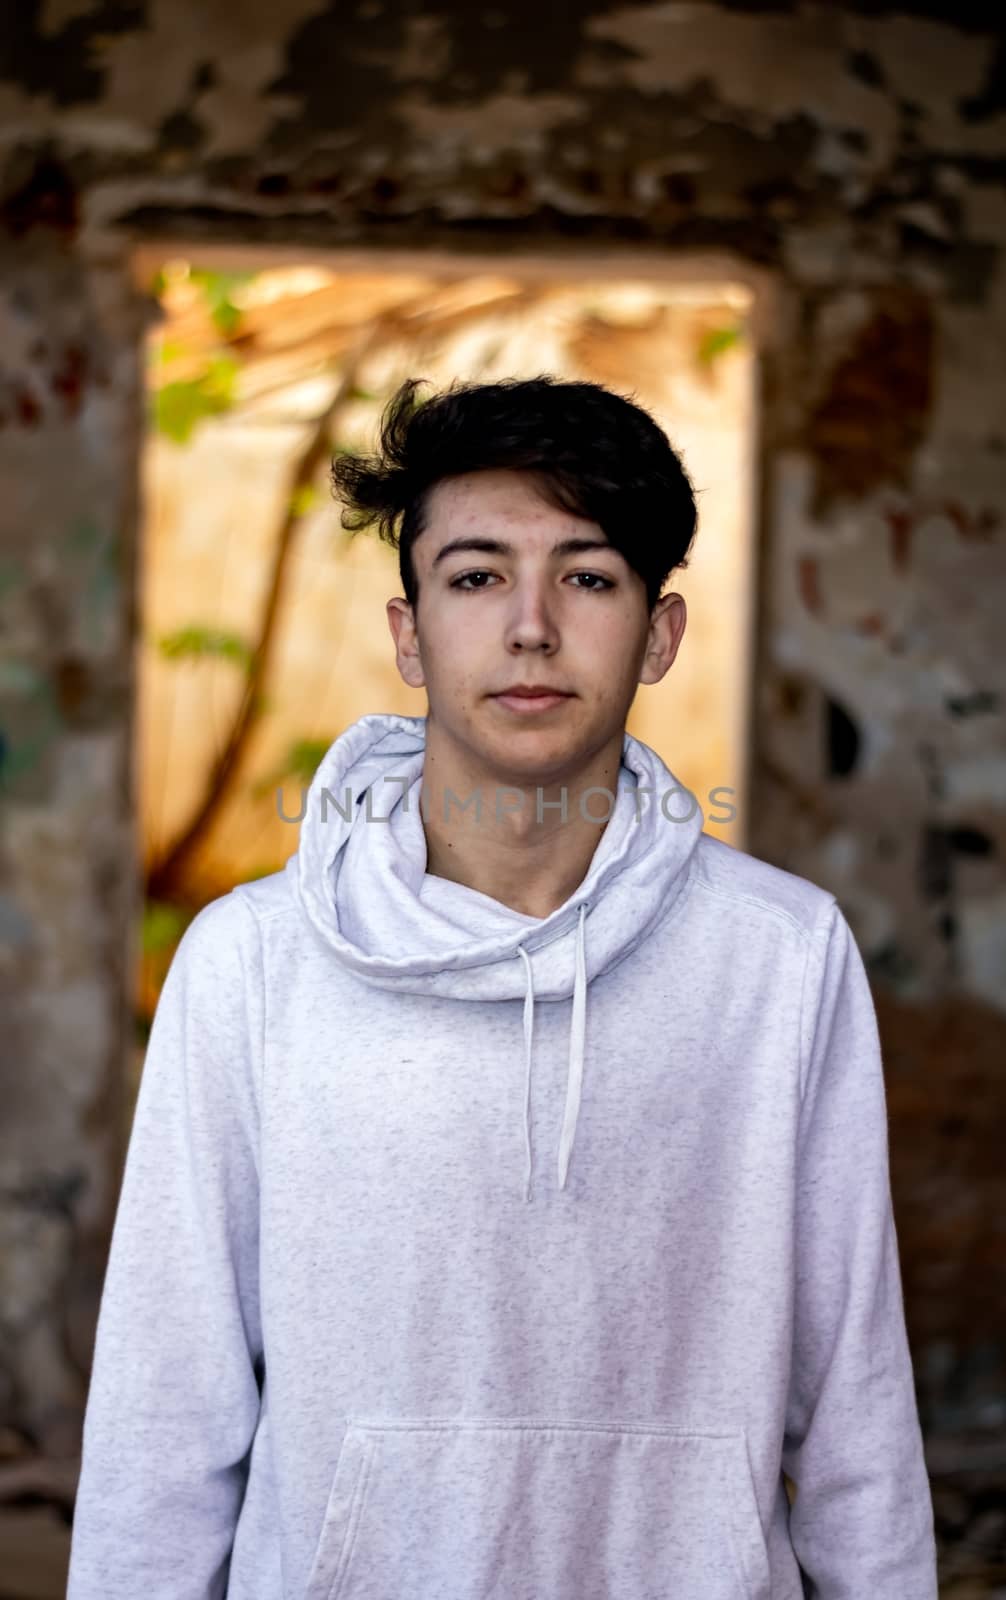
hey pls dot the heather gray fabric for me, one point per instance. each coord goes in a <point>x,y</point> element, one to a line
<point>462,1254</point>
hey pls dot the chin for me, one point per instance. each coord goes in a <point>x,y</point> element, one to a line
<point>535,754</point>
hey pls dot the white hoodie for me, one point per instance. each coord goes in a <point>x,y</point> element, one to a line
<point>466,1254</point>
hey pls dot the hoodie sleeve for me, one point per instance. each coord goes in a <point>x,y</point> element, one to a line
<point>173,1400</point>
<point>862,1519</point>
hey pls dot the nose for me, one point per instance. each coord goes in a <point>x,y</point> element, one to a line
<point>531,625</point>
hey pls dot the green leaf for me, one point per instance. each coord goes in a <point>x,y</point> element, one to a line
<point>301,762</point>
<point>217,288</point>
<point>179,407</point>
<point>304,498</point>
<point>168,350</point>
<point>196,642</point>
<point>176,409</point>
<point>305,757</point>
<point>221,374</point>
<point>162,926</point>
<point>714,342</point>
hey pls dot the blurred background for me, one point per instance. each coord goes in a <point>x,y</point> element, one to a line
<point>263,632</point>
<point>225,239</point>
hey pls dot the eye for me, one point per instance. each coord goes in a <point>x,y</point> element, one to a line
<point>461,582</point>
<point>606,583</point>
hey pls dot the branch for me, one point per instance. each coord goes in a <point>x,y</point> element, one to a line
<point>166,878</point>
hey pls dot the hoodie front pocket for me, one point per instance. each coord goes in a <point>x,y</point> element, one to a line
<point>529,1509</point>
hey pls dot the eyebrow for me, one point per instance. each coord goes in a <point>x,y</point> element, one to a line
<point>499,547</point>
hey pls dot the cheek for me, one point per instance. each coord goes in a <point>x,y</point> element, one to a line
<point>459,638</point>
<point>609,648</point>
<point>456,660</point>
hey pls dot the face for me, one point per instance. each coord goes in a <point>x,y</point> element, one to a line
<point>515,591</point>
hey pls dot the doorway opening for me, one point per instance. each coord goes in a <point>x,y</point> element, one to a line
<point>263,633</point>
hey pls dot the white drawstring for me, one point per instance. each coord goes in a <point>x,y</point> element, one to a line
<point>577,1033</point>
<point>577,1036</point>
<point>528,1033</point>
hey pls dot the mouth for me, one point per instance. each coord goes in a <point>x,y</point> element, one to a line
<point>528,701</point>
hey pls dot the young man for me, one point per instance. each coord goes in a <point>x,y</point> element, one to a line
<point>507,1203</point>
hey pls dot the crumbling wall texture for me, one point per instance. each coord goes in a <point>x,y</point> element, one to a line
<point>853,159</point>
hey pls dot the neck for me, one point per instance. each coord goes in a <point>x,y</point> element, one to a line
<point>483,830</point>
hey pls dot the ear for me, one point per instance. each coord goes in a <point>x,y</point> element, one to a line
<point>402,622</point>
<point>667,627</point>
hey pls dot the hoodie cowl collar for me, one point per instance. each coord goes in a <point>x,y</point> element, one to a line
<point>360,873</point>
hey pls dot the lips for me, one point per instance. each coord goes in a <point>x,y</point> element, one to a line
<point>525,701</point>
<point>537,691</point>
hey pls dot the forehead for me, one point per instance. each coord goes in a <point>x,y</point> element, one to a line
<point>499,499</point>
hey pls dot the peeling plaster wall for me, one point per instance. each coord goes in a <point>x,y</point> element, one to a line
<point>852,159</point>
<point>69,393</point>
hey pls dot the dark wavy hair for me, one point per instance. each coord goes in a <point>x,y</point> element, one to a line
<point>598,456</point>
